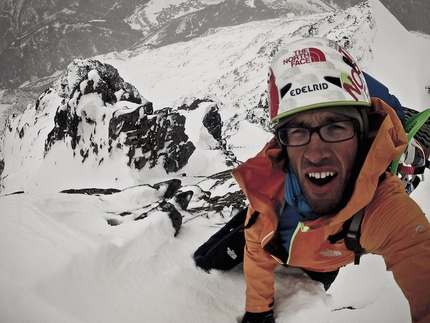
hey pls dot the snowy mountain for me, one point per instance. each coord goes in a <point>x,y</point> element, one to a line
<point>121,169</point>
<point>230,82</point>
<point>41,38</point>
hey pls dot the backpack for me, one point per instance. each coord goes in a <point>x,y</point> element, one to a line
<point>411,165</point>
<point>224,250</point>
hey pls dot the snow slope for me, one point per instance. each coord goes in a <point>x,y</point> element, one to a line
<point>61,261</point>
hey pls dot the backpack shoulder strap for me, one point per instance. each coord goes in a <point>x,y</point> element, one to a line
<point>252,220</point>
<point>352,236</point>
<point>351,231</point>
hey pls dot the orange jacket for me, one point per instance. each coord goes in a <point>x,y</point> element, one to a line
<point>394,226</point>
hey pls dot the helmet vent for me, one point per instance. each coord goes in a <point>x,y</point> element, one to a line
<point>333,80</point>
<point>351,64</point>
<point>285,89</point>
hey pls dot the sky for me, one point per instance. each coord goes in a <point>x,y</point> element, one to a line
<point>61,261</point>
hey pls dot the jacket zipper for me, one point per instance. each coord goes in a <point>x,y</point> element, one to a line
<point>264,239</point>
<point>302,227</point>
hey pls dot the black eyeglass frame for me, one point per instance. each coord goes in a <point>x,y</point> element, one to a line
<point>311,130</point>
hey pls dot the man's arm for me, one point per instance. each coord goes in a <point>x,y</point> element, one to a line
<point>259,269</point>
<point>396,228</point>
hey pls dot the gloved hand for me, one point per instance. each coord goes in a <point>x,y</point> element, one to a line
<point>265,317</point>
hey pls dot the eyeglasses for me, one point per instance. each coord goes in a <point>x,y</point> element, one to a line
<point>331,132</point>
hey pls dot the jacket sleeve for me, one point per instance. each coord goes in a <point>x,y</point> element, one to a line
<point>259,268</point>
<point>396,228</point>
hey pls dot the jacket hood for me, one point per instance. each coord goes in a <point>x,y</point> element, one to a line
<point>262,181</point>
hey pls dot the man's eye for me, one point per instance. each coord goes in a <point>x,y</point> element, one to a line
<point>335,127</point>
<point>297,131</point>
<point>340,126</point>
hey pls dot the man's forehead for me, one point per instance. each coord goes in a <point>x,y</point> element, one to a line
<point>316,117</point>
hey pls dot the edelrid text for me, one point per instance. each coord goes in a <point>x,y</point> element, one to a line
<point>309,88</point>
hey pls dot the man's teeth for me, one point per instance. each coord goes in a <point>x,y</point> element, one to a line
<point>321,175</point>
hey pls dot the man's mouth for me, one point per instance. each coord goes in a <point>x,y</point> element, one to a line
<point>321,178</point>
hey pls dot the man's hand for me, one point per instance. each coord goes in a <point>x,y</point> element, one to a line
<point>265,317</point>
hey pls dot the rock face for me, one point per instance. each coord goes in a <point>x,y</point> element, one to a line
<point>150,137</point>
<point>145,137</point>
<point>93,115</point>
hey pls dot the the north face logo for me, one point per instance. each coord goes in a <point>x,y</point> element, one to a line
<point>305,56</point>
<point>231,253</point>
<point>331,253</point>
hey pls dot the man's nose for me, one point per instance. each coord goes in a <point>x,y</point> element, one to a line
<point>316,149</point>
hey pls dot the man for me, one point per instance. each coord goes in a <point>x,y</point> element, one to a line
<point>327,161</point>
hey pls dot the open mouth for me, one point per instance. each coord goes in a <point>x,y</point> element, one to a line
<point>321,178</point>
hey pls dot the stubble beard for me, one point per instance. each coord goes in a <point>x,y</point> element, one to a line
<point>331,204</point>
<point>324,206</point>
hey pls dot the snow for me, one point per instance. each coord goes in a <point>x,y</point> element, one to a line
<point>154,7</point>
<point>400,61</point>
<point>61,261</point>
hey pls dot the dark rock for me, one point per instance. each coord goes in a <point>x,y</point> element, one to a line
<point>91,191</point>
<point>174,215</point>
<point>212,121</point>
<point>173,186</point>
<point>113,222</point>
<point>153,137</point>
<point>193,105</point>
<point>183,199</point>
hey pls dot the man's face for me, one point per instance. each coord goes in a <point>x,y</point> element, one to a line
<point>323,169</point>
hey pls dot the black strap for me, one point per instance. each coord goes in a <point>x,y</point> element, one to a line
<point>252,220</point>
<point>351,231</point>
<point>352,238</point>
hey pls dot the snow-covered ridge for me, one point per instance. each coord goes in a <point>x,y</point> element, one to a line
<point>224,70</point>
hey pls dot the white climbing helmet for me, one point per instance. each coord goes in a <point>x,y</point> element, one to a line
<point>313,73</point>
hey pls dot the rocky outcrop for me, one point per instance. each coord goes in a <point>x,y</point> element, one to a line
<point>180,202</point>
<point>89,91</point>
<point>93,113</point>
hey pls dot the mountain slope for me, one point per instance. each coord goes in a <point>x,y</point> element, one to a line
<point>232,79</point>
<point>41,38</point>
<point>226,69</point>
